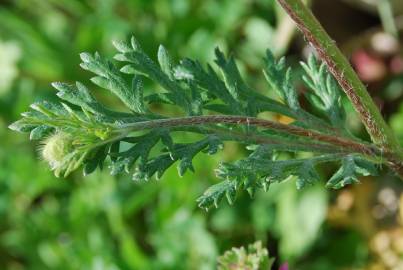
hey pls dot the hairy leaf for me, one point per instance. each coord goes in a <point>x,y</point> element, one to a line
<point>215,103</point>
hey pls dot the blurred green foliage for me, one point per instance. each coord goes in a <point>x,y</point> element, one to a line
<point>105,222</point>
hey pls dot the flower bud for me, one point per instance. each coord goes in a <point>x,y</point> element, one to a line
<point>56,148</point>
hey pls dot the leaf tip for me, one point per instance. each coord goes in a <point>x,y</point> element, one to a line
<point>85,57</point>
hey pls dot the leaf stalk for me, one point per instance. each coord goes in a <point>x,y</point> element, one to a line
<point>345,143</point>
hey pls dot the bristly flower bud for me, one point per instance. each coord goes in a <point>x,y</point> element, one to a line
<point>58,150</point>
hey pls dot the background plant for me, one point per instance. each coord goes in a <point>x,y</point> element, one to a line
<point>253,258</point>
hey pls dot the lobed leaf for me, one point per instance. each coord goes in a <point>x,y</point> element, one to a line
<point>143,143</point>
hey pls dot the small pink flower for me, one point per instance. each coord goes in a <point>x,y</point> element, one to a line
<point>370,68</point>
<point>284,266</point>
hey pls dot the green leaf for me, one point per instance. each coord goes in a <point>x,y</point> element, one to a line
<point>279,78</point>
<point>214,194</point>
<point>141,149</point>
<point>351,167</point>
<point>325,94</point>
<point>165,62</point>
<point>137,98</point>
<point>307,175</point>
<point>40,132</point>
<point>260,170</point>
<point>140,63</point>
<point>79,95</point>
<point>97,161</point>
<point>218,106</point>
<point>184,153</point>
<point>22,126</point>
<point>110,78</point>
<point>232,78</point>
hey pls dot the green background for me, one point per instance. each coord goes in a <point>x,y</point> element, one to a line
<point>105,222</point>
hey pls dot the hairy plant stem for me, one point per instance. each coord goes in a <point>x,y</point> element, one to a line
<point>248,137</point>
<point>339,66</point>
<point>341,69</point>
<point>344,143</point>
